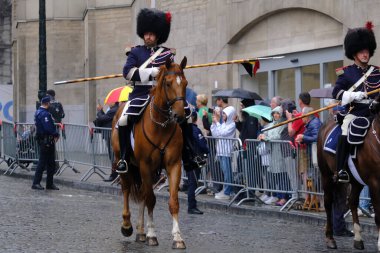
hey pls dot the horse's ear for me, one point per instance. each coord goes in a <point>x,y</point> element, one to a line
<point>168,63</point>
<point>183,62</point>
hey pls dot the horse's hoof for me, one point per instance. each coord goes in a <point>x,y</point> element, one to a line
<point>140,237</point>
<point>151,241</point>
<point>127,232</point>
<point>359,245</point>
<point>331,244</point>
<point>178,245</point>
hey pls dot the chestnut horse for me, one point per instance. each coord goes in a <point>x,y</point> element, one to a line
<point>158,144</point>
<point>367,164</point>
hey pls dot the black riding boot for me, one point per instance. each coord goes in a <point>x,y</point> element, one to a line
<point>342,153</point>
<point>122,166</point>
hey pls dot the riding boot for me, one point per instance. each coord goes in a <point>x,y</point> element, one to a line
<point>122,166</point>
<point>342,152</point>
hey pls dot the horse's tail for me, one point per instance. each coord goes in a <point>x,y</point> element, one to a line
<point>135,183</point>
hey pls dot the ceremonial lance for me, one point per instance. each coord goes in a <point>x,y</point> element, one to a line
<point>251,65</point>
<point>311,113</point>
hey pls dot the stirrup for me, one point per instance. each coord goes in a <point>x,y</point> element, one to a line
<point>343,177</point>
<point>122,167</point>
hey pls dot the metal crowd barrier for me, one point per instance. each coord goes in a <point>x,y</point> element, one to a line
<point>224,153</point>
<point>2,158</point>
<point>9,144</point>
<point>80,149</point>
<point>272,168</point>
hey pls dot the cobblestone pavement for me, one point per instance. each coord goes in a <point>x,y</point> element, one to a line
<point>72,220</point>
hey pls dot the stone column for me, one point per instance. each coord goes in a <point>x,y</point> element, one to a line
<point>90,65</point>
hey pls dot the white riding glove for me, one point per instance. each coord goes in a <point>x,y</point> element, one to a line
<point>155,71</point>
<point>349,96</point>
<point>144,74</point>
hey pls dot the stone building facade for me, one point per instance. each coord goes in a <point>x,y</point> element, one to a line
<point>87,38</point>
<point>5,42</point>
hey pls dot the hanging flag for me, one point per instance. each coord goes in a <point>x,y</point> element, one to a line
<point>251,67</point>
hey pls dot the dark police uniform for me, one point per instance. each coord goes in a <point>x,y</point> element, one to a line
<point>348,76</point>
<point>46,133</point>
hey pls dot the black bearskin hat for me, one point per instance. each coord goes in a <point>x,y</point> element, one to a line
<point>155,21</point>
<point>358,39</point>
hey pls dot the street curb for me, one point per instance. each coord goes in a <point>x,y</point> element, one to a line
<point>255,212</point>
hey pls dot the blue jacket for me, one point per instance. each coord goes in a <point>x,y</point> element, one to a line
<point>44,123</point>
<point>311,130</point>
<point>136,58</point>
<point>348,76</point>
<point>200,142</point>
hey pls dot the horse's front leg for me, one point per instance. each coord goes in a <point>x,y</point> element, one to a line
<point>141,236</point>
<point>356,188</point>
<point>328,201</point>
<point>126,227</point>
<point>150,201</point>
<point>174,174</point>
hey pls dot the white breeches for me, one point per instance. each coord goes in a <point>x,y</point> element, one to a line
<point>347,119</point>
<point>123,120</point>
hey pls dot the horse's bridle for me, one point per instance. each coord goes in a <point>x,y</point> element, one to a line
<point>169,103</point>
<point>167,113</point>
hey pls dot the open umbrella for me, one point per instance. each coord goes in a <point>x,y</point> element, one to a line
<point>259,111</point>
<point>238,93</point>
<point>321,93</point>
<point>118,95</point>
<point>191,97</point>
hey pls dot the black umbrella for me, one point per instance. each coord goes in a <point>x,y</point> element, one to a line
<point>238,93</point>
<point>321,93</point>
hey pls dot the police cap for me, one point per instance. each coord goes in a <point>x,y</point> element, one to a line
<point>45,100</point>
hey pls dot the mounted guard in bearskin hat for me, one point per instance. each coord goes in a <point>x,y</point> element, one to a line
<point>352,85</point>
<point>141,68</point>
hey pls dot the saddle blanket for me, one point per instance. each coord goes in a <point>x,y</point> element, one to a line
<point>332,139</point>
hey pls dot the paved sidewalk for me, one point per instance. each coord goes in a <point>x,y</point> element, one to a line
<point>95,183</point>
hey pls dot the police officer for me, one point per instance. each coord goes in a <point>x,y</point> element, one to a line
<point>360,45</point>
<point>141,67</point>
<point>46,135</point>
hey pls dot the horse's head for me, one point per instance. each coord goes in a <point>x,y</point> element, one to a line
<point>171,88</point>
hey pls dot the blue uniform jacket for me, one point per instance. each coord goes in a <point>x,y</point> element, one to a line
<point>199,141</point>
<point>44,123</point>
<point>348,76</point>
<point>311,131</point>
<point>136,58</point>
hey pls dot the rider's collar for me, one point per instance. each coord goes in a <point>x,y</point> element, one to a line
<point>364,69</point>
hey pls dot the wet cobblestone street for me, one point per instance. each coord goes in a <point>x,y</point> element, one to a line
<point>72,220</point>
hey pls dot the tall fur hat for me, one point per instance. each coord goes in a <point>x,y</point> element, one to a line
<point>155,21</point>
<point>358,39</point>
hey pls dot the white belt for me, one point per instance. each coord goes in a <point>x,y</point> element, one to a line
<point>149,83</point>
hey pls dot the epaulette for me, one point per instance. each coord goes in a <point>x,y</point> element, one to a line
<point>128,49</point>
<point>173,51</point>
<point>340,71</point>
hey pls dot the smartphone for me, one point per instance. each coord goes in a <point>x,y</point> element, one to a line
<point>210,110</point>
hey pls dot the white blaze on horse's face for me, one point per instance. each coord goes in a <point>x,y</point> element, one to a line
<point>179,79</point>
